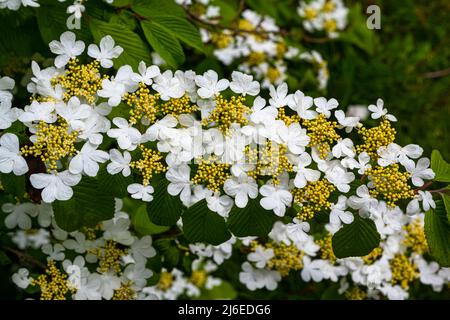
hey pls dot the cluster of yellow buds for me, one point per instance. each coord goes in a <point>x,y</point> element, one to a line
<point>313,198</point>
<point>150,164</point>
<point>322,133</point>
<point>165,280</point>
<point>326,248</point>
<point>403,271</point>
<point>415,237</point>
<point>198,278</point>
<point>390,184</point>
<point>175,107</point>
<point>373,256</point>
<point>143,104</point>
<point>221,40</point>
<point>376,137</point>
<point>80,80</point>
<point>355,293</point>
<point>109,257</point>
<point>286,258</point>
<point>270,160</point>
<point>53,283</point>
<point>212,173</point>
<point>228,112</point>
<point>288,120</point>
<point>53,143</point>
<point>256,58</point>
<point>125,292</point>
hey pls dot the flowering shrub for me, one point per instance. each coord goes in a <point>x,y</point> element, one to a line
<point>123,180</point>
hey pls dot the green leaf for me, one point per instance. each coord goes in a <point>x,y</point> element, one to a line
<point>440,167</point>
<point>356,239</point>
<point>116,184</point>
<point>202,225</point>
<point>4,259</point>
<point>253,220</point>
<point>89,205</point>
<point>182,29</point>
<point>163,42</point>
<point>13,184</point>
<point>135,49</point>
<point>164,209</point>
<point>169,251</point>
<point>155,8</point>
<point>437,231</point>
<point>142,223</point>
<point>446,199</point>
<point>224,291</point>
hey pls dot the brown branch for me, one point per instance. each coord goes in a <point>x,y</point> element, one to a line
<point>426,185</point>
<point>437,74</point>
<point>25,257</point>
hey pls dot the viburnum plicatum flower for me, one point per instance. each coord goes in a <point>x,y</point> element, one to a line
<point>427,202</point>
<point>241,188</point>
<point>39,111</point>
<point>279,97</point>
<point>343,147</point>
<point>55,185</point>
<point>139,191</point>
<point>210,85</point>
<point>105,52</point>
<point>168,86</point>
<point>261,256</point>
<point>363,201</point>
<point>346,122</point>
<point>113,90</point>
<point>66,49</point>
<point>275,198</point>
<point>340,178</point>
<point>146,75</point>
<point>19,215</point>
<point>305,174</point>
<point>379,111</point>
<point>244,84</point>
<point>75,113</point>
<point>325,106</point>
<point>339,214</point>
<point>127,136</point>
<point>87,160</point>
<point>180,182</point>
<point>420,171</point>
<point>302,105</point>
<point>119,162</point>
<point>11,159</point>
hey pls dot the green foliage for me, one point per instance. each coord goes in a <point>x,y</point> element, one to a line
<point>440,167</point>
<point>356,239</point>
<point>224,291</point>
<point>88,206</point>
<point>437,231</point>
<point>115,184</point>
<point>252,220</point>
<point>142,223</point>
<point>13,184</point>
<point>202,225</point>
<point>164,210</point>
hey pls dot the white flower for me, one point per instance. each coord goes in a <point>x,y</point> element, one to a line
<point>241,188</point>
<point>279,97</point>
<point>119,162</point>
<point>66,49</point>
<point>362,164</point>
<point>347,122</point>
<point>106,52</point>
<point>340,178</point>
<point>117,230</point>
<point>302,104</point>
<point>75,113</point>
<point>244,84</point>
<point>11,159</point>
<point>363,201</point>
<point>379,111</point>
<point>427,202</point>
<point>312,269</point>
<point>209,85</point>
<point>180,182</point>
<point>76,9</point>
<point>139,191</point>
<point>39,112</point>
<point>258,278</point>
<point>343,147</point>
<point>137,274</point>
<point>54,252</point>
<point>275,198</point>
<point>145,74</point>
<point>220,204</point>
<point>325,106</point>
<point>303,173</point>
<point>142,249</point>
<point>420,171</point>
<point>19,215</point>
<point>7,115</point>
<point>87,160</point>
<point>22,278</point>
<point>168,86</point>
<point>294,137</point>
<point>89,288</point>
<point>113,90</point>
<point>127,137</point>
<point>429,274</point>
<point>261,256</point>
<point>156,130</point>
<point>55,185</point>
<point>298,231</point>
<point>338,212</point>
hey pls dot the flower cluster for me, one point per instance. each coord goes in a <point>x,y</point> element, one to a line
<point>389,271</point>
<point>329,16</point>
<point>107,261</point>
<point>77,8</point>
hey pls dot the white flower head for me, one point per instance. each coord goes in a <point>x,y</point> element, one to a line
<point>244,84</point>
<point>379,111</point>
<point>55,185</point>
<point>11,159</point>
<point>66,49</point>
<point>105,52</point>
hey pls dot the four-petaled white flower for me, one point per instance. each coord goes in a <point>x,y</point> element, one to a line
<point>302,104</point>
<point>427,202</point>
<point>346,122</point>
<point>66,49</point>
<point>243,84</point>
<point>343,147</point>
<point>75,113</point>
<point>340,178</point>
<point>325,106</point>
<point>241,188</point>
<point>305,174</point>
<point>38,112</point>
<point>209,85</point>
<point>119,163</point>
<point>275,198</point>
<point>338,212</point>
<point>19,215</point>
<point>11,159</point>
<point>139,191</point>
<point>261,256</point>
<point>180,183</point>
<point>420,171</point>
<point>363,201</point>
<point>105,52</point>
<point>279,97</point>
<point>379,111</point>
<point>55,185</point>
<point>145,74</point>
<point>87,160</point>
<point>113,90</point>
<point>127,137</point>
